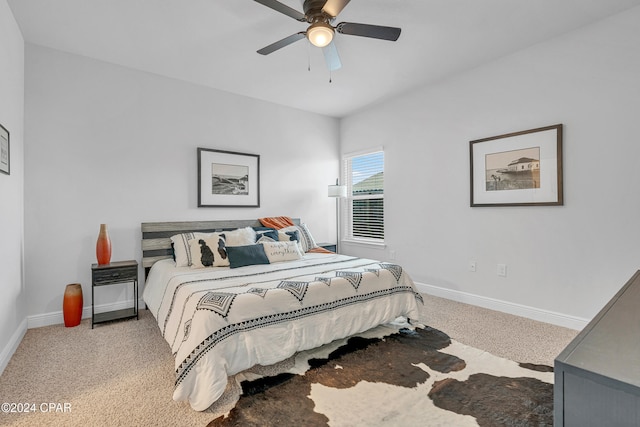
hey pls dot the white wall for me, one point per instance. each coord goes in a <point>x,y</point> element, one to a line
<point>575,257</point>
<point>12,303</point>
<point>107,144</point>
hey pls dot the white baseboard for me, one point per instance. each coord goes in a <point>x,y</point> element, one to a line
<point>546,316</point>
<point>554,318</point>
<point>56,318</point>
<point>12,345</point>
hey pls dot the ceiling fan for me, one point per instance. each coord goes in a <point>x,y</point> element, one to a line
<point>320,14</point>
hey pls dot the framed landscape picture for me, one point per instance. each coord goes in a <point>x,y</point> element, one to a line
<point>5,158</point>
<point>518,169</point>
<point>228,179</point>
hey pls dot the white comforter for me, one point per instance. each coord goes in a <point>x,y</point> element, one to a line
<point>220,321</point>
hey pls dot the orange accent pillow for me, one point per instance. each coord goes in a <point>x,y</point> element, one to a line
<point>320,251</point>
<point>276,222</point>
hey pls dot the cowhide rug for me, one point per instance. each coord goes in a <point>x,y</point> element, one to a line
<point>408,378</point>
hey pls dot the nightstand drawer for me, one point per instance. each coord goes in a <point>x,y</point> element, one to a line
<point>114,275</point>
<point>111,274</point>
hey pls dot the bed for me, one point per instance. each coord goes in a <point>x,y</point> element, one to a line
<point>222,320</point>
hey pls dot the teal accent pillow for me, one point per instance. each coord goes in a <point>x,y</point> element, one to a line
<point>241,256</point>
<point>266,231</point>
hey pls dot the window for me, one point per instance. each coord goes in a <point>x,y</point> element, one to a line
<point>363,212</point>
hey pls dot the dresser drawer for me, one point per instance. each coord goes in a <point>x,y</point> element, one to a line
<point>114,275</point>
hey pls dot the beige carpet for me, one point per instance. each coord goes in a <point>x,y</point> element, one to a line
<point>121,374</point>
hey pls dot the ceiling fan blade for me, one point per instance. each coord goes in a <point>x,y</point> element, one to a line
<point>366,30</point>
<point>281,43</point>
<point>283,8</point>
<point>334,7</point>
<point>331,57</point>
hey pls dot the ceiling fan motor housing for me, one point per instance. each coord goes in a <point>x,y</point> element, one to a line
<point>314,13</point>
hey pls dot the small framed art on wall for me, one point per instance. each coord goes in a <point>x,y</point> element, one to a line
<point>228,179</point>
<point>518,169</point>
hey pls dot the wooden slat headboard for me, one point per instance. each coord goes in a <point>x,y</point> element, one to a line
<point>156,236</point>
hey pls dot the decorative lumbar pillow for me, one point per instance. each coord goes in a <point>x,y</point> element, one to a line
<point>181,249</point>
<point>282,251</point>
<point>305,238</point>
<point>209,252</point>
<point>240,237</point>
<point>241,256</point>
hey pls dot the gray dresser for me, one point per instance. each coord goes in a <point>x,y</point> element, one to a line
<point>597,377</point>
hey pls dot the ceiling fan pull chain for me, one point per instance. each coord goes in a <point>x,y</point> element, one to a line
<point>309,57</point>
<point>330,74</point>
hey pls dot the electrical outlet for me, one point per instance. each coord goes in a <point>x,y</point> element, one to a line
<point>472,266</point>
<point>502,270</point>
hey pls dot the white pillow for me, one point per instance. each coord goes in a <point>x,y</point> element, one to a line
<point>290,234</point>
<point>208,252</point>
<point>181,251</point>
<point>240,237</point>
<point>282,251</point>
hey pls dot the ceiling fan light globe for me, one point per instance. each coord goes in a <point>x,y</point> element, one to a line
<point>320,34</point>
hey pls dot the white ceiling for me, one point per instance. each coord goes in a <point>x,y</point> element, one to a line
<point>214,42</point>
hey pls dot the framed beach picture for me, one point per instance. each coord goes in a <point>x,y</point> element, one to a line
<point>228,179</point>
<point>5,158</point>
<point>518,169</point>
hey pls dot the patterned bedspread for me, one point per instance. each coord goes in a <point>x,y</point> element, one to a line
<point>221,321</point>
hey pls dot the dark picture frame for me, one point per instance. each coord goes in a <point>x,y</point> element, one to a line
<point>228,179</point>
<point>5,151</point>
<point>518,169</point>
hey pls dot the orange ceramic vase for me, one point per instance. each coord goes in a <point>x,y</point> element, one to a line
<point>72,305</point>
<point>103,246</point>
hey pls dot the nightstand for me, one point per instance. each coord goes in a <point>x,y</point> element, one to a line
<point>329,246</point>
<point>111,274</point>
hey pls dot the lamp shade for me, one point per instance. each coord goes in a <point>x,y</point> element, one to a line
<point>320,34</point>
<point>337,191</point>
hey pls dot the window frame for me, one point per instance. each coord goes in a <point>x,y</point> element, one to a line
<point>346,204</point>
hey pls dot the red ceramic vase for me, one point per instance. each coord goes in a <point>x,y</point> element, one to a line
<point>103,246</point>
<point>72,305</point>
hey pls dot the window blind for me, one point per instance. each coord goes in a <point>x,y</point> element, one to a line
<point>364,211</point>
